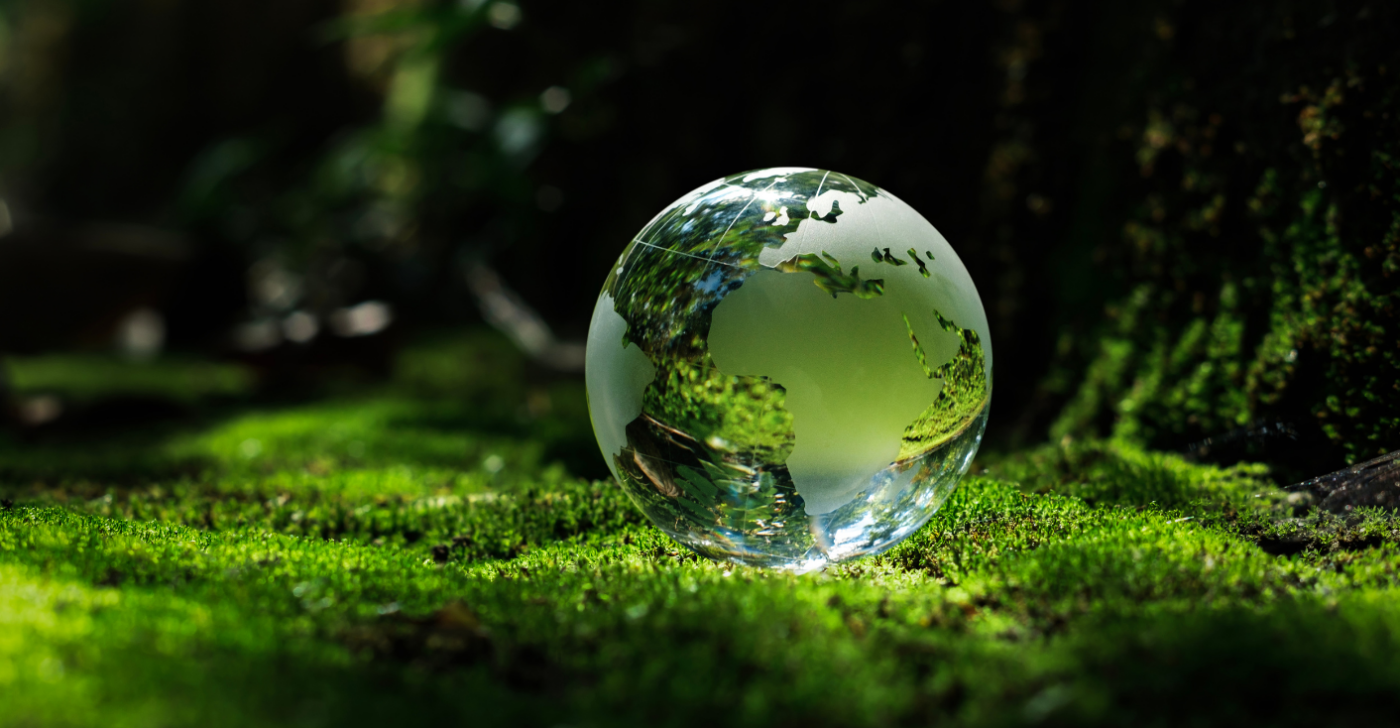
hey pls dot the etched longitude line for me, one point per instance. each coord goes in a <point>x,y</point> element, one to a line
<point>752,196</point>
<point>852,183</point>
<point>810,200</point>
<point>879,231</point>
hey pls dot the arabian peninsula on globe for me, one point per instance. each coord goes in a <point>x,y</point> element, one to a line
<point>789,367</point>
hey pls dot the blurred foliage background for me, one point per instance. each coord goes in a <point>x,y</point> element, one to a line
<point>1182,215</point>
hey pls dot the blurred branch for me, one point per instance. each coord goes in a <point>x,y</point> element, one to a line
<point>508,313</point>
<point>1374,483</point>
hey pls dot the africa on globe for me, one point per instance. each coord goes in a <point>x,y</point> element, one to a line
<point>789,368</point>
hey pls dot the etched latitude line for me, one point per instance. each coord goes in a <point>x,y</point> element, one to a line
<point>752,196</point>
<point>652,223</point>
<point>688,255</point>
<point>657,217</point>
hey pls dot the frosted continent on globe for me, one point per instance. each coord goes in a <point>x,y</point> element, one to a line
<point>789,367</point>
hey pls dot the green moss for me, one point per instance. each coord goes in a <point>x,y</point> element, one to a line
<point>1255,269</point>
<point>112,622</point>
<point>83,378</point>
<point>432,549</point>
<point>420,554</point>
<point>1120,474</point>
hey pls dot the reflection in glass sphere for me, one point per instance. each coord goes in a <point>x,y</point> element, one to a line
<point>789,368</point>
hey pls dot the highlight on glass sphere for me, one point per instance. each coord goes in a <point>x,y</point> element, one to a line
<point>789,368</point>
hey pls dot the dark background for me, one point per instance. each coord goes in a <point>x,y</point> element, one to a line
<point>1158,201</point>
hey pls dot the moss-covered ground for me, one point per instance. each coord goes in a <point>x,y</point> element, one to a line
<point>432,550</point>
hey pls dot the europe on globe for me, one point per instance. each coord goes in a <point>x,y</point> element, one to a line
<point>789,368</point>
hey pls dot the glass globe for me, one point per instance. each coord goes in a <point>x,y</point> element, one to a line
<point>789,368</point>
